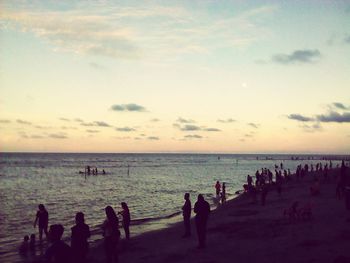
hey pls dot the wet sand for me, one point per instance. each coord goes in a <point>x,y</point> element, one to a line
<point>244,231</point>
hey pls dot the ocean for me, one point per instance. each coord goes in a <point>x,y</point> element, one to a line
<point>151,184</point>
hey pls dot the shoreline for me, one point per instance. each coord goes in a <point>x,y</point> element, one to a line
<point>240,226</point>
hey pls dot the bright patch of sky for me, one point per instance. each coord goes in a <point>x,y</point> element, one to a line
<point>251,76</point>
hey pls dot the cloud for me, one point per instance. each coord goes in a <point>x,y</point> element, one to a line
<point>312,128</point>
<point>68,128</point>
<point>128,107</point>
<point>299,117</point>
<point>298,56</point>
<point>141,30</point>
<point>92,131</point>
<point>339,105</point>
<point>333,116</point>
<point>58,136</point>
<point>5,121</point>
<point>254,125</point>
<point>102,124</point>
<point>23,122</point>
<point>155,120</point>
<point>189,127</point>
<point>230,120</point>
<point>248,135</point>
<point>78,120</point>
<point>182,120</point>
<point>64,119</point>
<point>125,129</point>
<point>193,136</point>
<point>211,129</point>
<point>96,124</point>
<point>37,137</point>
<point>153,138</point>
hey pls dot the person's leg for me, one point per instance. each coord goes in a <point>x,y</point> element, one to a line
<point>40,233</point>
<point>108,250</point>
<point>188,226</point>
<point>127,231</point>
<point>46,232</point>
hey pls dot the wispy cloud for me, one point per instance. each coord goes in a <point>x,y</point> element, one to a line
<point>78,120</point>
<point>312,128</point>
<point>182,120</point>
<point>64,119</point>
<point>190,127</point>
<point>230,120</point>
<point>254,125</point>
<point>298,56</point>
<point>139,30</point>
<point>92,131</point>
<point>95,124</point>
<point>128,107</point>
<point>299,117</point>
<point>211,129</point>
<point>23,122</point>
<point>155,120</point>
<point>5,121</point>
<point>125,129</point>
<point>153,138</point>
<point>339,105</point>
<point>193,136</point>
<point>96,66</point>
<point>58,136</point>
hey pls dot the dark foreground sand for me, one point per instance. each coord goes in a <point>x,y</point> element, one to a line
<point>244,231</point>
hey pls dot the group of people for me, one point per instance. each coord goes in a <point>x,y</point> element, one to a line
<point>91,170</point>
<point>59,251</point>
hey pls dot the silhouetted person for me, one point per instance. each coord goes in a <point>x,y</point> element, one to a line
<point>111,235</point>
<point>223,193</point>
<point>58,252</point>
<point>186,213</point>
<point>32,244</point>
<point>217,188</point>
<point>126,219</point>
<point>88,170</point>
<point>103,171</point>
<point>23,248</point>
<point>80,235</point>
<point>202,210</point>
<point>42,217</point>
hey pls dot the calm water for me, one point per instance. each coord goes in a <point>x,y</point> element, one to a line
<point>153,188</point>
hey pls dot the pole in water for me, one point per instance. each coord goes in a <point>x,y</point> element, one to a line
<point>128,169</point>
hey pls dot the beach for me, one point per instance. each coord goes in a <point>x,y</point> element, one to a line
<point>244,231</point>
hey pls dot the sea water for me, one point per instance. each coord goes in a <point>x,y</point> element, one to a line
<point>151,184</point>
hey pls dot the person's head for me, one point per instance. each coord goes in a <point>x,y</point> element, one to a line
<point>217,182</point>
<point>56,232</point>
<point>79,218</point>
<point>110,213</point>
<point>41,207</point>
<point>223,184</point>
<point>187,196</point>
<point>200,198</point>
<point>124,206</point>
<point>32,237</point>
<point>25,238</point>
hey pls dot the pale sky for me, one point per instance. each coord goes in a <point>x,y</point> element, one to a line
<point>175,76</point>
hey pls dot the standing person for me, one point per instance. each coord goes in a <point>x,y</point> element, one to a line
<point>126,219</point>
<point>42,217</point>
<point>186,213</point>
<point>80,234</point>
<point>217,188</point>
<point>202,210</point>
<point>223,193</point>
<point>58,252</point>
<point>111,235</point>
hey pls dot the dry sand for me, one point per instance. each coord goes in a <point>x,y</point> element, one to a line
<point>244,231</point>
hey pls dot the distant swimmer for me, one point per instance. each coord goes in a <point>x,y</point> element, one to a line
<point>42,217</point>
<point>103,171</point>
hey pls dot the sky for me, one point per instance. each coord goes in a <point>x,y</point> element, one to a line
<point>175,76</point>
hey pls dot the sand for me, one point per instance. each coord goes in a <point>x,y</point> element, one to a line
<point>242,230</point>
